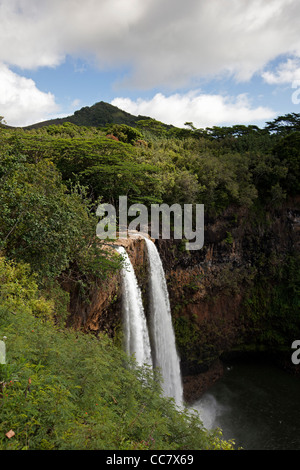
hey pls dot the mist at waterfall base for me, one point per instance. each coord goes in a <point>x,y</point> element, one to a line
<point>156,344</point>
<point>256,404</point>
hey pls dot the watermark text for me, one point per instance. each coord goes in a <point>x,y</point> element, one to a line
<point>185,222</point>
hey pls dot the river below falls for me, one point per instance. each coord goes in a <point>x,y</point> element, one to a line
<point>257,405</point>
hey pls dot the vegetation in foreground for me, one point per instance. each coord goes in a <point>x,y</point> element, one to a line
<point>65,390</point>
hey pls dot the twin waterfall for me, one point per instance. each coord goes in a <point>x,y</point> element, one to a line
<point>151,342</point>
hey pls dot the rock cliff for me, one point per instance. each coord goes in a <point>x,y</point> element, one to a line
<point>210,289</point>
<point>101,309</point>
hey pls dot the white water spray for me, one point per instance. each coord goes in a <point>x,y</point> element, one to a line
<point>136,332</point>
<point>162,334</point>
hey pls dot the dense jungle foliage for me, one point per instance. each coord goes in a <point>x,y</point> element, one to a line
<point>61,389</point>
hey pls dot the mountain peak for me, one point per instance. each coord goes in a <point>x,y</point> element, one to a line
<point>98,115</point>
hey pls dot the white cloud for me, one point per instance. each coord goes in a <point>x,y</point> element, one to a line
<point>75,103</point>
<point>21,103</point>
<point>170,44</point>
<point>165,42</point>
<point>286,73</point>
<point>202,109</point>
<point>43,32</point>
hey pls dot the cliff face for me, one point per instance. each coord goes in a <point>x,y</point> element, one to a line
<point>210,289</point>
<point>101,311</point>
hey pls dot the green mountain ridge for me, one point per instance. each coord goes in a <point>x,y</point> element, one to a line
<point>100,114</point>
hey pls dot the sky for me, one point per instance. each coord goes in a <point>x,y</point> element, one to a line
<point>209,62</point>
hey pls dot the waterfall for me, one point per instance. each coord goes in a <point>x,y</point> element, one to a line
<point>161,330</point>
<point>136,331</point>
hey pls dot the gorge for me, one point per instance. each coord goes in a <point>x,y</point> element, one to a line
<point>211,293</point>
<point>224,395</point>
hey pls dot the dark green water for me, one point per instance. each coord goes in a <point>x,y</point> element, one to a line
<point>257,405</point>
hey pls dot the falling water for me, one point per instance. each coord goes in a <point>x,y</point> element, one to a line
<point>162,335</point>
<point>135,325</point>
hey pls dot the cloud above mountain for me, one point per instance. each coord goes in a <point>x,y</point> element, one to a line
<point>166,42</point>
<point>21,102</point>
<point>201,109</point>
<point>162,44</point>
